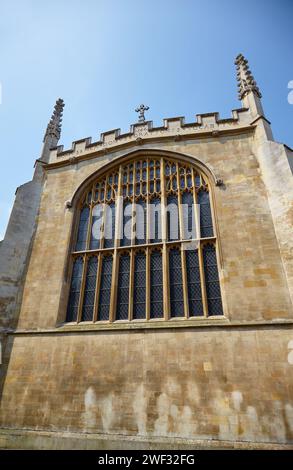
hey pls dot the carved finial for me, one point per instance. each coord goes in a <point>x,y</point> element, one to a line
<point>246,82</point>
<point>54,126</point>
<point>141,110</point>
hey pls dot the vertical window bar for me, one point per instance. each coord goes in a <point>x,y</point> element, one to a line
<point>105,288</point>
<point>202,280</point>
<point>123,288</point>
<point>156,285</point>
<point>89,290</point>
<point>212,281</point>
<point>176,284</point>
<point>73,302</point>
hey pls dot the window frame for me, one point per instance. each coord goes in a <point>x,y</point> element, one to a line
<point>164,245</point>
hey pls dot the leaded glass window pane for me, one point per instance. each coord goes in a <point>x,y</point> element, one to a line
<point>206,222</point>
<point>127,223</point>
<point>105,288</point>
<point>109,226</point>
<point>90,289</point>
<point>193,283</point>
<point>156,285</point>
<point>97,218</point>
<point>173,218</point>
<point>212,281</point>
<point>82,230</point>
<point>141,217</point>
<point>176,285</point>
<point>189,230</point>
<point>139,285</point>
<point>155,220</point>
<point>72,309</point>
<point>123,288</point>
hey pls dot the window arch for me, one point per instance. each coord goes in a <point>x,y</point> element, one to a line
<point>145,245</point>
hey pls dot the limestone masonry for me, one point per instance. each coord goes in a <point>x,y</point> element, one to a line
<point>209,382</point>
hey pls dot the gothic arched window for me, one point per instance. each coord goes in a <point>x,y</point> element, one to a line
<point>145,246</point>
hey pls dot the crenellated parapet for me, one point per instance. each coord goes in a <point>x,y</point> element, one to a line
<point>205,125</point>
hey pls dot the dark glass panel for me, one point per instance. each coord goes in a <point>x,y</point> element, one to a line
<point>197,181</point>
<point>176,285</point>
<point>156,286</point>
<point>173,228</point>
<point>97,218</point>
<point>126,240</point>
<point>193,283</point>
<point>139,294</point>
<point>155,220</point>
<point>212,281</point>
<point>105,288</point>
<point>72,308</point>
<point>123,288</point>
<point>141,217</point>
<point>206,223</point>
<point>109,226</point>
<point>189,227</point>
<point>90,289</point>
<point>82,229</point>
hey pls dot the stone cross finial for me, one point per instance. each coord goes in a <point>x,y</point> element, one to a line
<point>54,126</point>
<point>141,110</point>
<point>246,82</point>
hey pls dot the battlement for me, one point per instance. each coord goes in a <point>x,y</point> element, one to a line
<point>205,124</point>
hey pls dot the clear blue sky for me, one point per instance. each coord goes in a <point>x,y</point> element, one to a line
<point>104,57</point>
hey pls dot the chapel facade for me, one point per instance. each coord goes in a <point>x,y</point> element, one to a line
<point>146,288</point>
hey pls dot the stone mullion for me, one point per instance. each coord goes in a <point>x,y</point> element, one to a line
<point>166,290</point>
<point>181,236</point>
<point>202,280</point>
<point>114,283</point>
